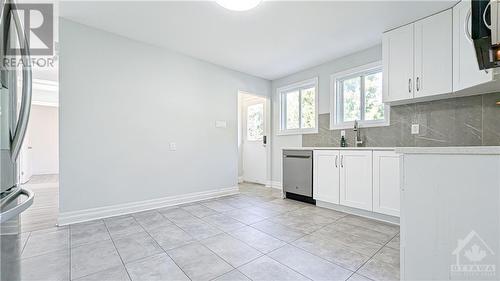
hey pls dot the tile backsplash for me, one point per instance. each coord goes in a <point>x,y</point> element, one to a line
<point>465,121</point>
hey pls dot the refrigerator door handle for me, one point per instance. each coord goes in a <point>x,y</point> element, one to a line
<point>24,112</point>
<point>18,209</point>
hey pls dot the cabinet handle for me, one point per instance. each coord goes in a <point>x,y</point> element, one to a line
<point>342,161</point>
<point>418,84</point>
<point>409,85</point>
<point>336,161</point>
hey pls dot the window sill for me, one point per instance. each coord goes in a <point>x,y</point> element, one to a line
<point>350,125</point>
<point>296,132</point>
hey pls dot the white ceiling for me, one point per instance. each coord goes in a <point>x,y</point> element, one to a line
<point>271,41</point>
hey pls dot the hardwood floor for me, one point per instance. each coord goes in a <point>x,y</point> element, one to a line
<point>43,213</point>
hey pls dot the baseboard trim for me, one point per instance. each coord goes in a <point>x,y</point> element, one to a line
<point>276,185</point>
<point>127,208</point>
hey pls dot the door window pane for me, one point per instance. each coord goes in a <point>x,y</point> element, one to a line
<point>308,112</point>
<point>374,108</point>
<point>292,110</point>
<point>255,122</point>
<point>351,99</point>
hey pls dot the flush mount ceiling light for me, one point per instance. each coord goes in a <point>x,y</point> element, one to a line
<point>238,5</point>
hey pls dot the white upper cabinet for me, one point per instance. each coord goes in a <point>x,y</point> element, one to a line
<point>433,55</point>
<point>356,179</point>
<point>466,72</point>
<point>386,179</point>
<point>326,175</point>
<point>397,52</point>
<point>418,59</point>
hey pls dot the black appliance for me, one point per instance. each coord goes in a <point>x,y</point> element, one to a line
<point>485,31</point>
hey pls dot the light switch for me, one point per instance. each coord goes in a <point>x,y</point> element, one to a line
<point>415,129</point>
<point>173,146</point>
<point>220,124</point>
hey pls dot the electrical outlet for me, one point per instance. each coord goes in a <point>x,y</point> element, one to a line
<point>173,146</point>
<point>342,133</point>
<point>415,129</point>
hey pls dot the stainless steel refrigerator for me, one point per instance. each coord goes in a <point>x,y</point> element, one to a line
<point>15,103</point>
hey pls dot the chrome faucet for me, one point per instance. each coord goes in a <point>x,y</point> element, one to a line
<point>357,141</point>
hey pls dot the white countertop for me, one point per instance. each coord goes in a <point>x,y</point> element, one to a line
<point>337,148</point>
<point>477,150</point>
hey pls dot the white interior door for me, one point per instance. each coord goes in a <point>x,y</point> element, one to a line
<point>254,152</point>
<point>26,159</point>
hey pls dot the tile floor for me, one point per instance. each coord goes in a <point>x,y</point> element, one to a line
<point>254,235</point>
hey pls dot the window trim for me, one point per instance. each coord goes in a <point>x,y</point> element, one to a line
<point>334,114</point>
<point>281,124</point>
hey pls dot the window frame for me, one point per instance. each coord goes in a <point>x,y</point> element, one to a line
<point>336,121</point>
<point>298,86</point>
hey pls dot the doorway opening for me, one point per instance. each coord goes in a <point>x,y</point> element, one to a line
<point>253,139</point>
<point>39,157</point>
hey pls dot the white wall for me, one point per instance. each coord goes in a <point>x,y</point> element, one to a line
<point>44,139</point>
<point>323,72</point>
<point>122,102</point>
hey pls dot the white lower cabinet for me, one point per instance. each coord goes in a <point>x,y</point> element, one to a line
<point>386,182</point>
<point>362,179</point>
<point>326,175</point>
<point>356,179</point>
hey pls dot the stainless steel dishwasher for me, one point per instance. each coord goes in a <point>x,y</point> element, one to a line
<point>298,175</point>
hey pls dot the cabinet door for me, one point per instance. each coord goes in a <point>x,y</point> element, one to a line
<point>433,55</point>
<point>326,175</point>
<point>356,179</point>
<point>466,71</point>
<point>397,53</point>
<point>386,182</point>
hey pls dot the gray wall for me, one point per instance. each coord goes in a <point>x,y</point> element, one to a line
<point>466,121</point>
<point>323,72</point>
<point>122,102</point>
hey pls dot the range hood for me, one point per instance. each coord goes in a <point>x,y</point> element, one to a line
<point>485,32</point>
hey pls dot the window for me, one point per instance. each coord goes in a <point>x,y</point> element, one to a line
<point>255,122</point>
<point>298,108</point>
<point>357,95</point>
